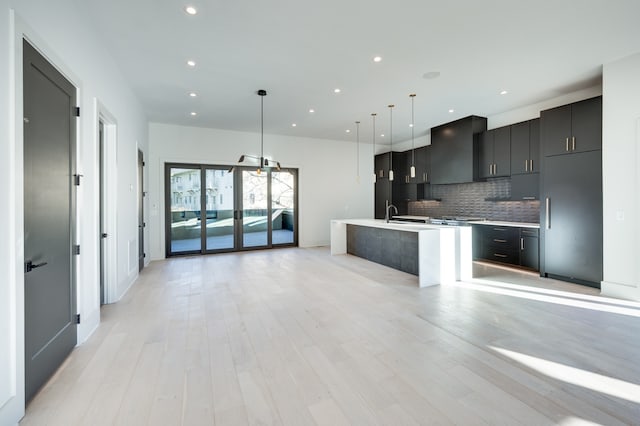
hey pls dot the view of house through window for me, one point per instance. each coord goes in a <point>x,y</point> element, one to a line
<point>211,209</point>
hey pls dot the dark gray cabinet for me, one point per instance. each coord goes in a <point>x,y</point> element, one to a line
<point>454,150</point>
<point>525,187</point>
<point>382,164</point>
<point>423,164</point>
<point>529,248</point>
<point>510,245</point>
<point>571,192</point>
<point>382,195</point>
<point>572,128</point>
<point>571,217</point>
<point>525,147</point>
<point>494,153</point>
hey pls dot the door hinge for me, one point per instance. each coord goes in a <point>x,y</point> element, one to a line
<point>77,318</point>
<point>76,249</point>
<point>144,255</point>
<point>76,179</point>
<point>144,164</point>
<point>76,111</point>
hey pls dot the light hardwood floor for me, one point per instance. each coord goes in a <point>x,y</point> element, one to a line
<point>300,337</point>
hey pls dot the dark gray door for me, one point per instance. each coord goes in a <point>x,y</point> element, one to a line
<point>49,203</point>
<point>141,223</point>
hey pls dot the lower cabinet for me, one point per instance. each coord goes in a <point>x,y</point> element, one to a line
<point>506,244</point>
<point>529,248</point>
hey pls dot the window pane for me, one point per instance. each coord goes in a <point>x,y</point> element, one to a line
<point>254,203</point>
<point>185,210</point>
<point>282,207</point>
<point>220,208</point>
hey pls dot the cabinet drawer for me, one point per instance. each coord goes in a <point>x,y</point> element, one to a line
<point>510,257</point>
<point>529,232</point>
<point>501,234</point>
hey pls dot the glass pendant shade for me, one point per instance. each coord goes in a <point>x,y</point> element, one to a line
<point>413,171</point>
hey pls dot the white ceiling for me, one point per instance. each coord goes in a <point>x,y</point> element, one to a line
<point>301,50</point>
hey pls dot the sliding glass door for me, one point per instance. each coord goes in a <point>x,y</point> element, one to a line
<point>255,208</point>
<point>219,222</point>
<point>210,209</point>
<point>184,233</point>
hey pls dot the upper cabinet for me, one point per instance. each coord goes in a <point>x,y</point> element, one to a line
<point>382,165</point>
<point>452,150</point>
<point>572,128</point>
<point>494,153</point>
<point>420,158</point>
<point>525,147</point>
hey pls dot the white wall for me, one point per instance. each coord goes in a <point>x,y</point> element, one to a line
<point>327,174</point>
<point>65,36</point>
<point>621,184</point>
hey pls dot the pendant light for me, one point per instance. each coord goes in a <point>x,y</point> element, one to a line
<point>358,151</point>
<point>263,163</point>
<point>413,148</point>
<point>391,141</point>
<point>373,117</point>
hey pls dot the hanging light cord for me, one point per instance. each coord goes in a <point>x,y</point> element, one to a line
<point>358,148</point>
<point>391,141</point>
<point>413,148</point>
<point>262,130</point>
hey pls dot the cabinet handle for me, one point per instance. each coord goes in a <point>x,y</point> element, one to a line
<point>498,240</point>
<point>490,169</point>
<point>495,169</point>
<point>573,143</point>
<point>499,255</point>
<point>521,243</point>
<point>566,144</point>
<point>499,229</point>
<point>531,165</point>
<point>548,212</point>
<point>526,165</point>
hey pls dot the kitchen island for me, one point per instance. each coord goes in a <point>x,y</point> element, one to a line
<point>436,253</point>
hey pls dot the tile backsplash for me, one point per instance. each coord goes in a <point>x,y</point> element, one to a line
<point>468,199</point>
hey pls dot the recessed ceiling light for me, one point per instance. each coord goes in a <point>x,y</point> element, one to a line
<point>348,131</point>
<point>193,113</point>
<point>451,110</point>
<point>193,94</point>
<point>191,63</point>
<point>294,125</point>
<point>191,10</point>
<point>336,90</point>
<point>312,110</point>
<point>431,75</point>
<point>377,58</point>
<point>504,92</point>
<point>411,125</point>
<point>382,135</point>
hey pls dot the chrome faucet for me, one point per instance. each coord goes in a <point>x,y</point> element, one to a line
<point>387,207</point>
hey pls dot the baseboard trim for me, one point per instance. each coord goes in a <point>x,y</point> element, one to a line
<point>620,291</point>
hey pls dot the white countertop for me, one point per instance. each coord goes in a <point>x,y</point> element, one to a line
<point>504,223</point>
<point>380,223</point>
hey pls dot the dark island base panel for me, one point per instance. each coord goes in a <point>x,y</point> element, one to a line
<point>395,249</point>
<point>572,280</point>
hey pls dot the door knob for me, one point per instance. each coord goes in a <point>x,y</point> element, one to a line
<point>29,266</point>
<point>104,235</point>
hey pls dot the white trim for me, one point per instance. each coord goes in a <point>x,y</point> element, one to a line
<point>111,196</point>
